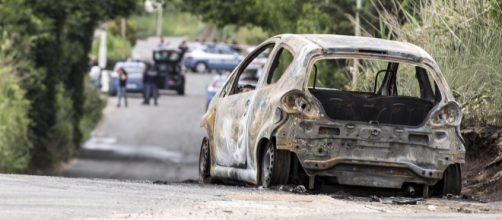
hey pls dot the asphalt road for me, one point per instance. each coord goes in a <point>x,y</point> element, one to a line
<point>146,142</point>
<point>39,197</point>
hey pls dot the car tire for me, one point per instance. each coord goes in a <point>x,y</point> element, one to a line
<point>452,179</point>
<point>451,182</point>
<point>200,67</point>
<point>112,93</point>
<point>275,166</point>
<point>205,162</point>
<point>181,91</point>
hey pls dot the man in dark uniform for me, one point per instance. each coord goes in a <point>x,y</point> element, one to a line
<point>150,81</point>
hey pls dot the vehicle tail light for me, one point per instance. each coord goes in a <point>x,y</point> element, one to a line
<point>296,103</point>
<point>450,115</point>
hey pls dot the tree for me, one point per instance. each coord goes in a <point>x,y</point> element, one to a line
<point>289,16</point>
<point>55,37</point>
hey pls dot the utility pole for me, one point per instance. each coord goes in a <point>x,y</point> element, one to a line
<point>357,32</point>
<point>102,50</point>
<point>159,18</point>
<point>123,27</point>
<point>150,6</point>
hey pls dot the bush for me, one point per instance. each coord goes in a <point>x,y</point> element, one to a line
<point>60,142</point>
<point>118,48</point>
<point>93,106</point>
<point>14,122</point>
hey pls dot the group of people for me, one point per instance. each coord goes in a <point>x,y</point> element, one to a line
<point>150,83</point>
<point>151,78</point>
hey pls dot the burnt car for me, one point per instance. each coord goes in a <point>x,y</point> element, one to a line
<point>344,110</point>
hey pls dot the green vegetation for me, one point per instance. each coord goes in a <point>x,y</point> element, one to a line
<point>45,109</point>
<point>92,110</point>
<point>14,143</point>
<point>118,48</point>
<point>174,23</point>
<point>288,16</point>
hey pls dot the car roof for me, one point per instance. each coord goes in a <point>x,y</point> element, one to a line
<point>344,43</point>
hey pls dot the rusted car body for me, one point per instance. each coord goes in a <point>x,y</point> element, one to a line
<point>279,129</point>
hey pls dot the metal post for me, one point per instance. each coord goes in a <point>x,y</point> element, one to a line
<point>150,6</point>
<point>357,32</point>
<point>102,50</point>
<point>159,18</point>
<point>123,27</point>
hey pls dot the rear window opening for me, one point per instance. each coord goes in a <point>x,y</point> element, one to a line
<point>371,90</point>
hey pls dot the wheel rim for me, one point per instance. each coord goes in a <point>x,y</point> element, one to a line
<point>201,67</point>
<point>267,167</point>
<point>204,161</point>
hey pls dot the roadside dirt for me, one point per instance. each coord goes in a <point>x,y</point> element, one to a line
<point>482,172</point>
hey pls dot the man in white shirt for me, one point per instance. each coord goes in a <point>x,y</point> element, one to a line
<point>95,75</point>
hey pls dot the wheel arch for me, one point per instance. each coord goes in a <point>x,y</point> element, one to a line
<point>262,143</point>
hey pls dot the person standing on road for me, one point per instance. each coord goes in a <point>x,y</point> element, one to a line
<point>183,48</point>
<point>95,75</point>
<point>162,44</point>
<point>122,87</point>
<point>150,80</point>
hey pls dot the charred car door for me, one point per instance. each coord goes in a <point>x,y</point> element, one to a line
<point>262,109</point>
<point>231,113</point>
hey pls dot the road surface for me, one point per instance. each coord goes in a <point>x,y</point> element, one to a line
<point>146,142</point>
<point>38,197</point>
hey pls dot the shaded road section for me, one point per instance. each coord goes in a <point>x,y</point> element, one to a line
<point>146,142</point>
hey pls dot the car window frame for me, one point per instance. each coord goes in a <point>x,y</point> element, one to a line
<point>247,61</point>
<point>434,74</point>
<point>274,57</point>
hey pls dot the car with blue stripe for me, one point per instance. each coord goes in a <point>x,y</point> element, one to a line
<point>134,70</point>
<point>212,57</point>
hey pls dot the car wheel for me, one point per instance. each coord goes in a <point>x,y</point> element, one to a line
<point>181,91</point>
<point>204,162</point>
<point>275,166</point>
<point>200,67</point>
<point>451,182</point>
